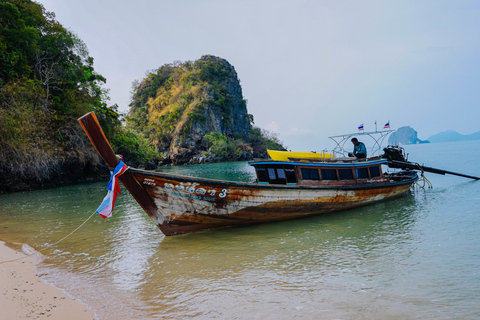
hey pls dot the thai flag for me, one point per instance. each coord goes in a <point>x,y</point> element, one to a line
<point>387,125</point>
<point>360,128</point>
<point>106,208</point>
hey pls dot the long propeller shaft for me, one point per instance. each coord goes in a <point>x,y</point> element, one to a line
<point>415,166</point>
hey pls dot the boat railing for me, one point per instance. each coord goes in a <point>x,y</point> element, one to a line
<point>378,138</point>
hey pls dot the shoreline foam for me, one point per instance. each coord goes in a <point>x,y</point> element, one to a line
<point>25,295</point>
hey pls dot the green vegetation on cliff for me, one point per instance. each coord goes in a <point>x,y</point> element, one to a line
<point>171,99</point>
<point>47,81</point>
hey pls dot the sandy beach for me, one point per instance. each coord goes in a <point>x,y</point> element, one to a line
<point>25,296</point>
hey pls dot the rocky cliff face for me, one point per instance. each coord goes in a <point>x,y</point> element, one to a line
<point>225,108</point>
<point>404,135</point>
<point>68,165</point>
<point>178,104</point>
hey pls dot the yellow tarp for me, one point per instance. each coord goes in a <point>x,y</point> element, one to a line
<point>285,155</point>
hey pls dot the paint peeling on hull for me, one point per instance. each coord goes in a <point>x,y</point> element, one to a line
<point>198,204</point>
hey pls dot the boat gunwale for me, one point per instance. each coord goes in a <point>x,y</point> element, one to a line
<point>184,178</point>
<point>323,164</point>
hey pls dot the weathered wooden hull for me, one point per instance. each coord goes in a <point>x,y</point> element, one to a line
<point>186,204</point>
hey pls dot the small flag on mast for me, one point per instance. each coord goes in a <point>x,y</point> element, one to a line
<point>360,128</point>
<point>106,208</point>
<point>387,125</point>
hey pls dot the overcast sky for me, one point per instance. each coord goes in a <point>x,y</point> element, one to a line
<point>309,69</point>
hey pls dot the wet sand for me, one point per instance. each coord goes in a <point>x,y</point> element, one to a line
<point>25,296</point>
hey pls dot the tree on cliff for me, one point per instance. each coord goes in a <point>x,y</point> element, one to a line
<point>47,81</point>
<point>180,105</point>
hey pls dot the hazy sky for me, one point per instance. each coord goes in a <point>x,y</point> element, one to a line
<point>309,69</point>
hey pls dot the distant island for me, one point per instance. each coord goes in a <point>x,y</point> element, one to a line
<point>450,135</point>
<point>407,135</point>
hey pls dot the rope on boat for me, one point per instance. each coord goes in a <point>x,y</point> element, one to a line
<point>423,181</point>
<point>51,245</point>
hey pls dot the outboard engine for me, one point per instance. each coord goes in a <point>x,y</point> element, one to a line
<point>394,153</point>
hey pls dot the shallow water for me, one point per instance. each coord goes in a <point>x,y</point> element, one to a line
<point>412,258</point>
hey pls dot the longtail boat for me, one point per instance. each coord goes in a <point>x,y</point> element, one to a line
<point>285,189</point>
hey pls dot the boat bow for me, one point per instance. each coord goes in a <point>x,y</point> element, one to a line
<point>92,128</point>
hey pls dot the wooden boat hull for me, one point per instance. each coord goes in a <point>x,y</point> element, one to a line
<point>186,204</point>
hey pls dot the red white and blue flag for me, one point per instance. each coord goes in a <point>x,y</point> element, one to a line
<point>387,125</point>
<point>360,128</point>
<point>106,208</point>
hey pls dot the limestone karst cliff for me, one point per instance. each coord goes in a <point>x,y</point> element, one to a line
<point>178,104</point>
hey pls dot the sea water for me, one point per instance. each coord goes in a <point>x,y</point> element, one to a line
<point>417,257</point>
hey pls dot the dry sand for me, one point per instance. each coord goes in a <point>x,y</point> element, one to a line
<point>25,296</point>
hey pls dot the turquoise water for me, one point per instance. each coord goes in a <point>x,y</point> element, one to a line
<point>412,258</point>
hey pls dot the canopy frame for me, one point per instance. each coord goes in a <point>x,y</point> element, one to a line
<point>375,149</point>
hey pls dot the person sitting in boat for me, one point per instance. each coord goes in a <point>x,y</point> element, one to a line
<point>359,149</point>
